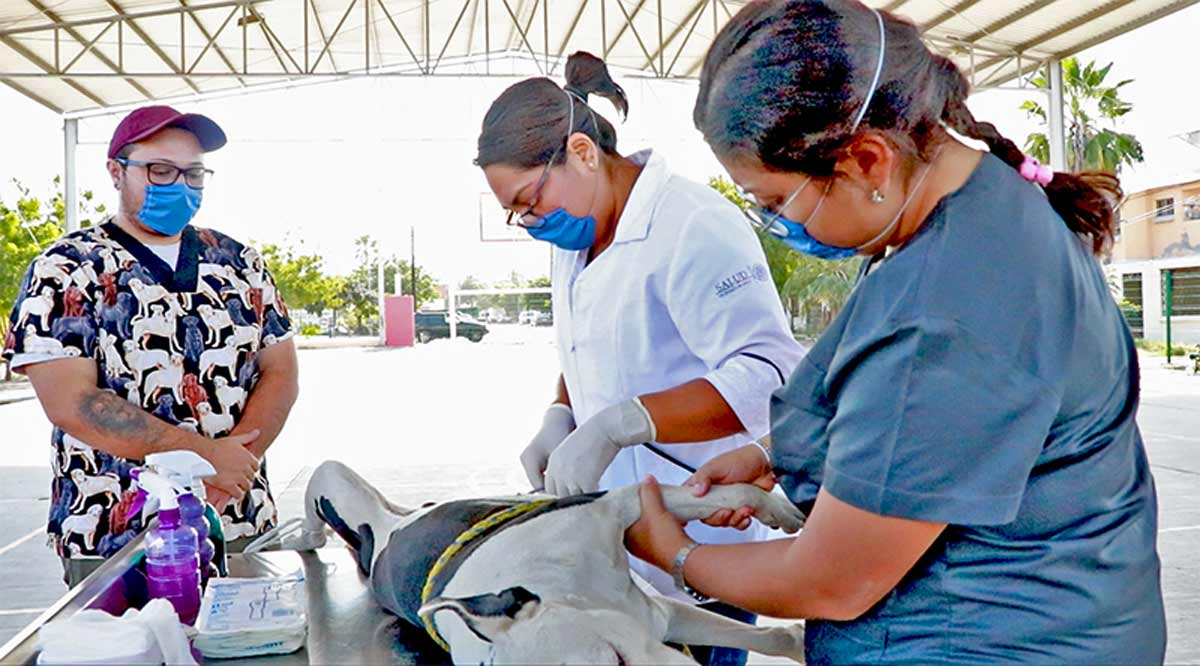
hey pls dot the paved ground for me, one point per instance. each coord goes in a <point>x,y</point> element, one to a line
<point>448,420</point>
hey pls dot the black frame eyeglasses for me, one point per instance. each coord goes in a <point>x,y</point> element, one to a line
<point>529,219</point>
<point>161,173</point>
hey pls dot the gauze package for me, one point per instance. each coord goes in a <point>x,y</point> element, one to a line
<point>244,617</point>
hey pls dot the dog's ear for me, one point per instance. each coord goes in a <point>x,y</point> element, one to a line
<point>487,615</point>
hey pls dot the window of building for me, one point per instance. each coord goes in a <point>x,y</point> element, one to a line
<point>1185,291</point>
<point>1191,209</point>
<point>1164,209</point>
<point>1131,306</point>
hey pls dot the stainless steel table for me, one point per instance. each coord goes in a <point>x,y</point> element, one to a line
<point>345,625</point>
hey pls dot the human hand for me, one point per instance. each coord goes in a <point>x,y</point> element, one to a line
<point>657,535</point>
<point>218,498</point>
<point>747,464</point>
<point>576,465</point>
<point>236,466</point>
<point>558,422</point>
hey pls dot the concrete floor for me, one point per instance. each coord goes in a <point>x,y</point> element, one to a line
<point>419,444</point>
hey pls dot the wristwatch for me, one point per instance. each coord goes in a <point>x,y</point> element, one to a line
<point>677,572</point>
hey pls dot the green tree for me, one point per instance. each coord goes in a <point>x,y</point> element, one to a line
<point>360,289</point>
<point>27,227</point>
<point>426,283</point>
<point>301,279</point>
<point>468,302</point>
<point>539,302</point>
<point>1092,108</point>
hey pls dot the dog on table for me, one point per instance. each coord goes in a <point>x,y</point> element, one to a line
<point>530,579</point>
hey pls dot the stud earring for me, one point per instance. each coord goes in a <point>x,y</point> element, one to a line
<point>876,196</point>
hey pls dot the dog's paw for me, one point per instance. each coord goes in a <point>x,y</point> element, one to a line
<point>304,540</point>
<point>789,641</point>
<point>776,511</point>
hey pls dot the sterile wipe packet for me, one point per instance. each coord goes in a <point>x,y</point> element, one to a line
<point>242,617</point>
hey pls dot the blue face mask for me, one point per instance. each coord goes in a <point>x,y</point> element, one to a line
<point>168,208</point>
<point>565,230</point>
<point>794,235</point>
<point>799,240</point>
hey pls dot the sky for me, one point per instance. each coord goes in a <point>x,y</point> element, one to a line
<point>317,166</point>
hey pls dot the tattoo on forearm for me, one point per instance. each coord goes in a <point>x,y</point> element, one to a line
<point>118,417</point>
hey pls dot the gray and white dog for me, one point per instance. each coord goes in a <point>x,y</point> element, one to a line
<point>532,579</point>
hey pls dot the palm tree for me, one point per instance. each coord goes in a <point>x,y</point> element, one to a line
<point>1090,104</point>
<point>822,282</point>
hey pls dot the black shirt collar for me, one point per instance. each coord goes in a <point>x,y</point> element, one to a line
<point>179,278</point>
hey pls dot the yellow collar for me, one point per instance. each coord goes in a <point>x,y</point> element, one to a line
<point>473,532</point>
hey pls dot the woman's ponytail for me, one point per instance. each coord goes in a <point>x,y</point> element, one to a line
<point>527,125</point>
<point>1086,201</point>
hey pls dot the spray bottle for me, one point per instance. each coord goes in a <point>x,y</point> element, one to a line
<point>188,470</point>
<point>172,551</point>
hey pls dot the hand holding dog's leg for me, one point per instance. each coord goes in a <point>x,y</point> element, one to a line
<point>654,533</point>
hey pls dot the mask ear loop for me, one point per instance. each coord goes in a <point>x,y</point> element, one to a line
<point>570,119</point>
<point>571,129</point>
<point>862,112</point>
<point>583,100</point>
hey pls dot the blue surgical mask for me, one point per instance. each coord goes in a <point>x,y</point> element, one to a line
<point>565,230</point>
<point>799,240</point>
<point>168,208</point>
<point>794,235</point>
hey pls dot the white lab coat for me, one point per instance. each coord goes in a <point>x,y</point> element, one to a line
<point>682,293</point>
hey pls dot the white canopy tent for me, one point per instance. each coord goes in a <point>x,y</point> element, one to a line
<point>83,57</point>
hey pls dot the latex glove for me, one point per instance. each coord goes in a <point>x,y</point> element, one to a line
<point>558,422</point>
<point>577,464</point>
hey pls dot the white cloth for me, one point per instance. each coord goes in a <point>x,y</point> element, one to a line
<point>682,293</point>
<point>150,636</point>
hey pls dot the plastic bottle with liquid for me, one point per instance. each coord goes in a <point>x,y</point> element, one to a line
<point>172,551</point>
<point>188,470</point>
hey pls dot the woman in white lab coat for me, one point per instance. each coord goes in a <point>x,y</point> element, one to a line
<point>671,335</point>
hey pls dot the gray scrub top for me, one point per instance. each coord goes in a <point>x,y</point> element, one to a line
<point>982,376</point>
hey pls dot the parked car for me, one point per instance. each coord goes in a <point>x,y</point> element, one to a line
<point>544,319</point>
<point>528,317</point>
<point>433,325</point>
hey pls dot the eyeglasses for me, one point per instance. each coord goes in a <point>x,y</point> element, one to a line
<point>767,219</point>
<point>161,173</point>
<point>529,219</point>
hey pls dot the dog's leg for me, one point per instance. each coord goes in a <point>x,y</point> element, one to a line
<point>690,625</point>
<point>360,514</point>
<point>770,509</point>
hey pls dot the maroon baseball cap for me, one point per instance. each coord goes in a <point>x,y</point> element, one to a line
<point>143,122</point>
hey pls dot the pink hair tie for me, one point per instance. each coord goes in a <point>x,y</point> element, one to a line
<point>1036,172</point>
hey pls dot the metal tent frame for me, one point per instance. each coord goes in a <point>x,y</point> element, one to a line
<point>89,57</point>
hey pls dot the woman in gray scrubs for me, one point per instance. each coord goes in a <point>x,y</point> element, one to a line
<point>963,436</point>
